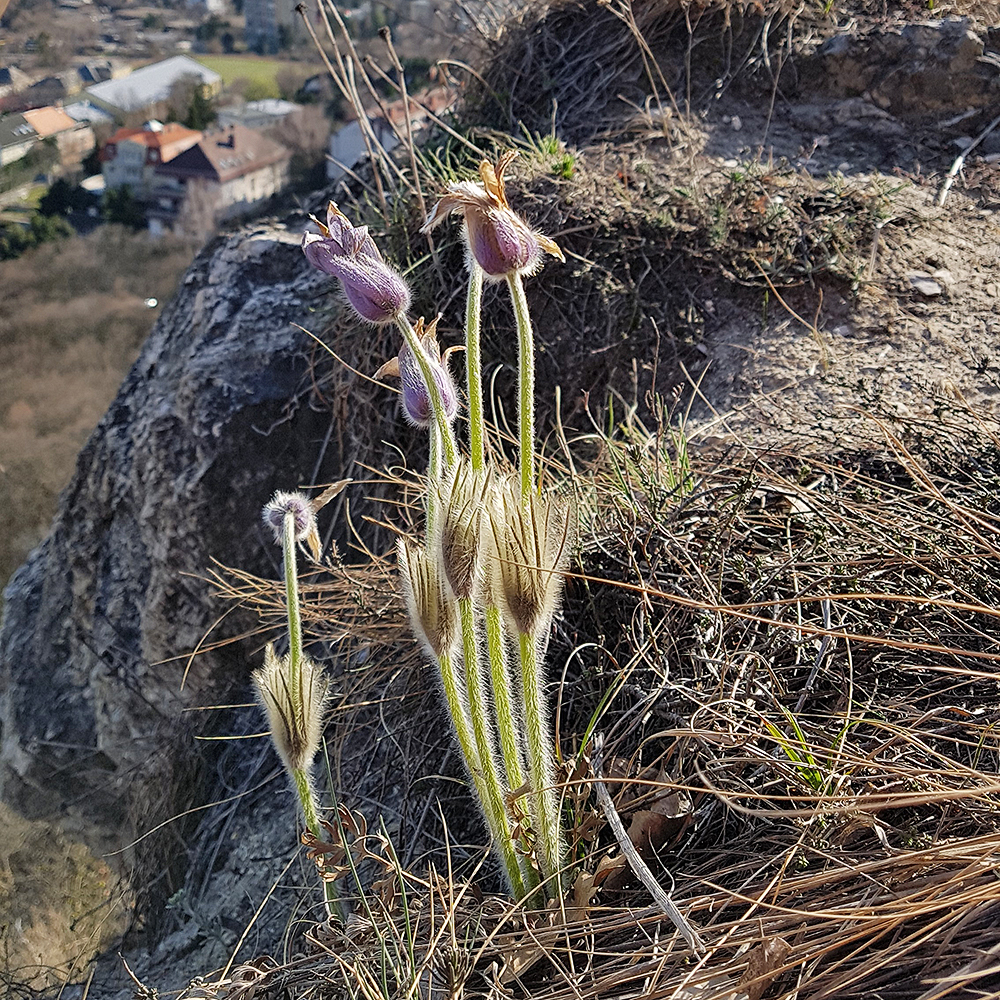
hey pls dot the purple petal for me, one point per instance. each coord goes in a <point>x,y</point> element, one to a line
<point>375,291</point>
<point>500,242</point>
<point>416,399</point>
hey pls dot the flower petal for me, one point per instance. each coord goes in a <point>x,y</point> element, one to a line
<point>550,246</point>
<point>461,195</point>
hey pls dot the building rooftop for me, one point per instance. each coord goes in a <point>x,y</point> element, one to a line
<point>226,154</point>
<point>272,106</point>
<point>170,139</point>
<point>49,121</point>
<point>14,129</point>
<point>84,111</point>
<point>150,84</point>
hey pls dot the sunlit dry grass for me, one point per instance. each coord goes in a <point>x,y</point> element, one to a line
<point>72,320</point>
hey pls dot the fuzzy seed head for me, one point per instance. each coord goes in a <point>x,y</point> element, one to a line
<point>432,608</point>
<point>532,542</point>
<point>294,505</point>
<point>462,503</point>
<point>295,716</point>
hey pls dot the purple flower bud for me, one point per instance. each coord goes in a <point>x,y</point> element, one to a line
<point>375,291</point>
<point>501,243</point>
<point>295,504</point>
<point>416,399</point>
<point>499,240</point>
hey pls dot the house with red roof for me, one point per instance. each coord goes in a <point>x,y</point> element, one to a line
<point>130,157</point>
<point>228,173</point>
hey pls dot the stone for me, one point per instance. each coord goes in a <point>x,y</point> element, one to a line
<point>924,284</point>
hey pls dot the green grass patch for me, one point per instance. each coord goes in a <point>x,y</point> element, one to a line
<point>261,72</point>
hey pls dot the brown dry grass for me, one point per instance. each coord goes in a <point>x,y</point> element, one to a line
<point>795,652</point>
<point>72,320</point>
<point>801,662</point>
<point>59,906</point>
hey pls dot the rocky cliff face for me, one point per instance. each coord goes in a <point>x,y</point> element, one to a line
<point>199,435</point>
<point>229,401</point>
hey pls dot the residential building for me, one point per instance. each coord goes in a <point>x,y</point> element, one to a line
<point>272,24</point>
<point>54,89</point>
<point>101,70</point>
<point>147,90</point>
<point>211,6</point>
<point>261,114</point>
<point>231,172</point>
<point>13,81</point>
<point>74,139</point>
<point>84,111</point>
<point>130,157</point>
<point>17,136</point>
<point>347,144</point>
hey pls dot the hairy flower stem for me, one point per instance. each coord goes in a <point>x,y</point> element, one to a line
<point>545,805</point>
<point>474,368</point>
<point>511,739</point>
<point>525,385</point>
<point>300,776</point>
<point>434,476</point>
<point>292,605</point>
<point>449,450</point>
<point>303,786</point>
<point>467,743</point>
<point>493,802</point>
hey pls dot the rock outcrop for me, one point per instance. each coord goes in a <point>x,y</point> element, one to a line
<point>97,621</point>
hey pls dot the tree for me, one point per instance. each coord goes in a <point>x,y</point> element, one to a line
<point>63,197</point>
<point>91,163</point>
<point>200,113</point>
<point>58,200</point>
<point>121,207</point>
<point>188,103</point>
<point>15,239</point>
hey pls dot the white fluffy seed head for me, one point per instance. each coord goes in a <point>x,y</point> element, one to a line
<point>294,710</point>
<point>432,608</point>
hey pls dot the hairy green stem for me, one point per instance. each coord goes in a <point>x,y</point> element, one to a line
<point>433,476</point>
<point>303,787</point>
<point>474,368</point>
<point>511,739</point>
<point>503,696</point>
<point>545,811</point>
<point>290,554</point>
<point>467,743</point>
<point>525,385</point>
<point>494,802</point>
<point>449,449</point>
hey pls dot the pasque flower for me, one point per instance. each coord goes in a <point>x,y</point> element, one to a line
<point>377,293</point>
<point>499,240</point>
<point>417,404</point>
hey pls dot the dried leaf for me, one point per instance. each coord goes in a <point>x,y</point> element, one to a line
<point>762,963</point>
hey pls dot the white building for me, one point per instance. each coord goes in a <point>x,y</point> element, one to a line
<point>229,173</point>
<point>130,157</point>
<point>150,86</point>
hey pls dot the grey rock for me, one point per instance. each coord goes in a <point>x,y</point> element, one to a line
<point>173,475</point>
<point>924,284</point>
<point>925,68</point>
